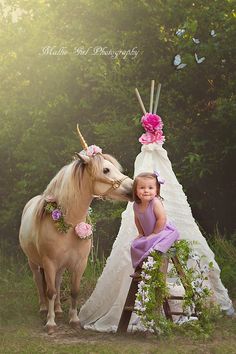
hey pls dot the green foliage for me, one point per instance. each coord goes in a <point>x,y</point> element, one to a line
<point>18,294</point>
<point>42,97</point>
<point>22,328</point>
<point>60,223</point>
<point>224,247</point>
<point>153,290</point>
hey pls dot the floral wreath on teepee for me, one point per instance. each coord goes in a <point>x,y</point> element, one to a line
<point>151,122</point>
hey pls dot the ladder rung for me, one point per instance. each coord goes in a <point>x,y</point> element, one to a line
<point>172,297</point>
<point>138,279</point>
<point>129,308</point>
<point>183,313</point>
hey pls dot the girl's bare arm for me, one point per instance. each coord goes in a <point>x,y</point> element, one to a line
<point>139,227</point>
<point>160,214</point>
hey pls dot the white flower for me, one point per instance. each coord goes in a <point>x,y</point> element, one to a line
<point>149,263</point>
<point>141,284</point>
<point>152,323</point>
<point>137,305</point>
<point>136,321</point>
<point>196,283</point>
<point>150,259</point>
<point>195,256</point>
<point>199,290</point>
<point>180,32</point>
<point>147,276</point>
<point>205,268</point>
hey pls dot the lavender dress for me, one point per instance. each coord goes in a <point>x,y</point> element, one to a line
<point>141,247</point>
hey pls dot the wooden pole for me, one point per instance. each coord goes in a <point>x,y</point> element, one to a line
<point>157,98</point>
<point>140,101</point>
<point>151,96</point>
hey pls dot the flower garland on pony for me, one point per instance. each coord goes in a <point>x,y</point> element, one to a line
<point>84,230</point>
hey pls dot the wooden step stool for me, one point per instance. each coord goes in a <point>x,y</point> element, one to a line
<point>130,300</point>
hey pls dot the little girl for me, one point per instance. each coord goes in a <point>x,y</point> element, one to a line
<point>155,233</point>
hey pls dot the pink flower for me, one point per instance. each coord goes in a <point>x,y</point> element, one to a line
<point>93,150</point>
<point>50,198</point>
<point>151,122</point>
<point>149,138</point>
<point>83,230</point>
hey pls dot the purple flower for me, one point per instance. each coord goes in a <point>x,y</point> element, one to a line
<point>56,214</point>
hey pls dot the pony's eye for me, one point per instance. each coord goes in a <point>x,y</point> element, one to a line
<point>106,170</point>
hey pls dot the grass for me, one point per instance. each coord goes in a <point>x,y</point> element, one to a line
<point>21,328</point>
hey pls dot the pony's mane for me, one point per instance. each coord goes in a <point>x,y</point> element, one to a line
<point>65,185</point>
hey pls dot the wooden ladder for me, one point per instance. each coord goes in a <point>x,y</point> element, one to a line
<point>130,300</point>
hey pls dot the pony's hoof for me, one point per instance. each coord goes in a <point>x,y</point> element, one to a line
<point>50,329</point>
<point>75,324</point>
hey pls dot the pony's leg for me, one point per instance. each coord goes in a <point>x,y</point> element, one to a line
<point>75,285</point>
<point>57,306</point>
<point>50,275</point>
<point>39,281</point>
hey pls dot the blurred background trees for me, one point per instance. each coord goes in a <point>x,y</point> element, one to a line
<point>42,97</point>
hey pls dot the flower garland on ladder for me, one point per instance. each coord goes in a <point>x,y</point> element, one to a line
<point>153,290</point>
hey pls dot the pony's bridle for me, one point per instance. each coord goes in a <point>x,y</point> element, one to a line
<point>115,183</point>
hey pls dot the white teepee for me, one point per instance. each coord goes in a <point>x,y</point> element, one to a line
<point>103,309</point>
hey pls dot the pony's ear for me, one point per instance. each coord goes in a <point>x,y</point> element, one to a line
<point>84,158</point>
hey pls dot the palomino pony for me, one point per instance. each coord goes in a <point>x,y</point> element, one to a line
<point>50,252</point>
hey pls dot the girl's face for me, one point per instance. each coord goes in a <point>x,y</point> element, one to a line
<point>146,189</point>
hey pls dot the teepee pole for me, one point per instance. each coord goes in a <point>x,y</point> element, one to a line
<point>157,98</point>
<point>140,101</point>
<point>151,96</point>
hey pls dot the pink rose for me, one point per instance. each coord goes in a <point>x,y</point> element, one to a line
<point>50,199</point>
<point>151,122</point>
<point>83,230</point>
<point>93,150</point>
<point>149,138</point>
<point>159,137</point>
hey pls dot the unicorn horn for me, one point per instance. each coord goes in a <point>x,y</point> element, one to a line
<point>81,138</point>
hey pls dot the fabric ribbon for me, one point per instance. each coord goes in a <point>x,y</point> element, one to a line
<point>159,178</point>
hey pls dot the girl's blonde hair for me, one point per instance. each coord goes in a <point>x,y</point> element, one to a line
<point>140,176</point>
